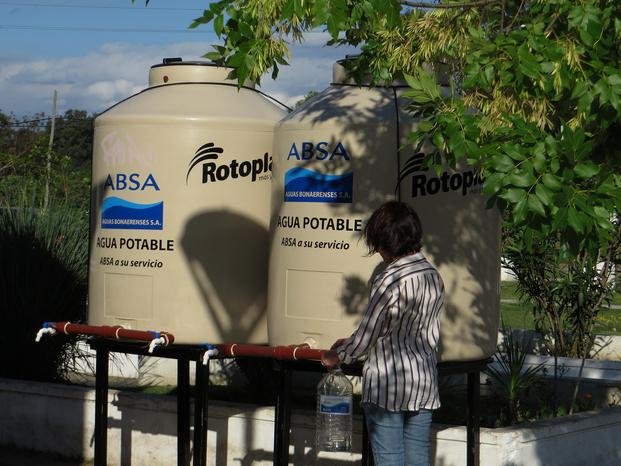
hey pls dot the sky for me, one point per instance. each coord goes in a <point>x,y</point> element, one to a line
<point>95,53</point>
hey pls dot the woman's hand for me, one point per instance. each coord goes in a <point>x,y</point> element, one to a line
<point>338,343</point>
<point>330,359</point>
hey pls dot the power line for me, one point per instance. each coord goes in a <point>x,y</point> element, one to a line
<point>43,121</point>
<point>102,29</point>
<point>101,7</point>
<point>32,121</point>
<point>26,123</point>
<point>105,29</point>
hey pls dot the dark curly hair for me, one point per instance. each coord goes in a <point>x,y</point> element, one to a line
<point>395,229</point>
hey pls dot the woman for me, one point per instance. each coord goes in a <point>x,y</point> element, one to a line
<point>398,334</point>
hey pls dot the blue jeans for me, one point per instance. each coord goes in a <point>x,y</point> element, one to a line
<point>398,438</point>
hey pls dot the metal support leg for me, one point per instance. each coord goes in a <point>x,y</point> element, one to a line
<point>283,416</point>
<point>472,425</point>
<point>183,412</point>
<point>101,407</point>
<point>200,414</point>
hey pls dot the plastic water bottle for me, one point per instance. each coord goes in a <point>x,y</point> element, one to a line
<point>334,412</point>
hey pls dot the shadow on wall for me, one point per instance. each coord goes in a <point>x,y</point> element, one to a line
<point>228,256</point>
<point>461,251</point>
<point>457,227</point>
<point>356,291</point>
<point>236,435</point>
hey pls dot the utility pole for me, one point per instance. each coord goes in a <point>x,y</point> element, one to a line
<point>48,167</point>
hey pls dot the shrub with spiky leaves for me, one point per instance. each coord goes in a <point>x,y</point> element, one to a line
<point>43,260</point>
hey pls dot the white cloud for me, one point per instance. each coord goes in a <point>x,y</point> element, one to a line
<point>115,71</point>
<point>111,92</point>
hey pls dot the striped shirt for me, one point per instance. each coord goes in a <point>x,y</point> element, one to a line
<point>399,334</point>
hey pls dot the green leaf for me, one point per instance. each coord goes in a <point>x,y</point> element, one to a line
<point>615,101</point>
<point>583,204</point>
<point>393,15</point>
<point>522,179</point>
<point>356,13</point>
<point>493,182</point>
<point>213,56</point>
<point>602,212</point>
<point>367,7</point>
<point>319,12</point>
<point>539,157</point>
<point>614,80</point>
<point>333,27</point>
<point>423,87</point>
<point>288,9</point>
<point>605,224</point>
<point>457,144</point>
<point>205,19</point>
<point>551,182</point>
<point>425,126</point>
<point>438,140</point>
<point>502,163</point>
<point>489,74</point>
<point>575,220</point>
<point>586,170</point>
<point>236,60</point>
<point>601,87</point>
<point>218,25</point>
<point>519,210</point>
<point>527,63</point>
<point>544,195</point>
<point>514,151</point>
<point>514,195</point>
<point>560,219</point>
<point>547,67</point>
<point>585,101</point>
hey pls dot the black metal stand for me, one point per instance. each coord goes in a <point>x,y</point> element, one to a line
<point>283,406</point>
<point>101,406</point>
<point>183,354</point>
<point>282,423</point>
<point>472,369</point>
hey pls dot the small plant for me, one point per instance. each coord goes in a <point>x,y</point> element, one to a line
<point>511,376</point>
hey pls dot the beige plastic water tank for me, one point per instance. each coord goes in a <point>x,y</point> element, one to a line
<point>180,207</point>
<point>337,158</point>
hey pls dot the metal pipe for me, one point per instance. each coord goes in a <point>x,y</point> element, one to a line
<point>276,352</point>
<point>107,331</point>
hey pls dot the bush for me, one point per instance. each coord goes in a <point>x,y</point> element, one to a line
<point>43,263</point>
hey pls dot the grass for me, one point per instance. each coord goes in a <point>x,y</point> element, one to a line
<point>508,290</point>
<point>517,315</point>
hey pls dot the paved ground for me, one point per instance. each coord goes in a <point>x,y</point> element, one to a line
<point>10,457</point>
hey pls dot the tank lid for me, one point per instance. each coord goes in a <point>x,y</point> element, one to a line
<point>174,71</point>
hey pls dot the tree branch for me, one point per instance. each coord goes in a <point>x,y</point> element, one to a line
<point>515,17</point>
<point>449,5</point>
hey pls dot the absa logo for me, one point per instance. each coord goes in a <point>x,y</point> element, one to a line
<point>320,151</point>
<point>130,182</point>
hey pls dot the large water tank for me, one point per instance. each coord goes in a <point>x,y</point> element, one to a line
<point>337,158</point>
<point>180,207</point>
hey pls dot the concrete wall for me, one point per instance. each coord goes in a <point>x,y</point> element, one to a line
<point>59,419</point>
